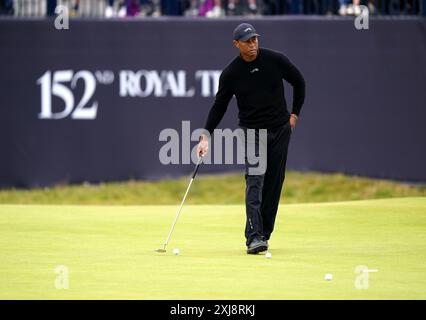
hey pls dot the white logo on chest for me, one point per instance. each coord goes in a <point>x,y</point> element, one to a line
<point>254,70</point>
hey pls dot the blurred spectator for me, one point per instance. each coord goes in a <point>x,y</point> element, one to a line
<point>133,7</point>
<point>51,6</point>
<point>321,7</point>
<point>6,6</point>
<point>211,9</point>
<point>276,7</point>
<point>75,8</point>
<point>297,6</point>
<point>397,7</point>
<point>115,8</point>
<point>191,8</point>
<point>239,7</point>
<point>347,8</point>
<point>171,7</point>
<point>328,7</point>
<point>343,7</point>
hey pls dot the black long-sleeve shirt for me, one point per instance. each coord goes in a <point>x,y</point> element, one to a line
<point>259,90</point>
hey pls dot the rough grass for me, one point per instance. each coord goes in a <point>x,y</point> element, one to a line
<point>222,189</point>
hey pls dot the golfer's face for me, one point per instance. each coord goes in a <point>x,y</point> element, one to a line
<point>249,48</point>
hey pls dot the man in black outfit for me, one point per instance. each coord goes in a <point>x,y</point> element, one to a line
<point>255,78</point>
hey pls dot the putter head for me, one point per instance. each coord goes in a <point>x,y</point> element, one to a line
<point>161,250</point>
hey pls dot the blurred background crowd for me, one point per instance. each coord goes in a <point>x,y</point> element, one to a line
<point>208,8</point>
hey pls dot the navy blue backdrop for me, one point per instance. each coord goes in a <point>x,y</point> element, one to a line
<point>364,112</point>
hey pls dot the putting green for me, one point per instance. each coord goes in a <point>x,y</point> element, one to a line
<point>108,252</point>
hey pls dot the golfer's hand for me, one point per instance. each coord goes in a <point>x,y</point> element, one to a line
<point>293,121</point>
<point>203,146</point>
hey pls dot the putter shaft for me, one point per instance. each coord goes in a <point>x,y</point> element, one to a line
<point>181,205</point>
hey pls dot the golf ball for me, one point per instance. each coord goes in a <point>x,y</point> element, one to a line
<point>268,255</point>
<point>328,276</point>
<point>176,251</point>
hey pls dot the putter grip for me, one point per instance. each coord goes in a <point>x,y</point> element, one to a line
<point>196,167</point>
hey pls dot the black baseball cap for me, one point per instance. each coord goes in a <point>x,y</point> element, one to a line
<point>244,32</point>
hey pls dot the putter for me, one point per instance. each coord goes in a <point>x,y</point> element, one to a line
<point>163,249</point>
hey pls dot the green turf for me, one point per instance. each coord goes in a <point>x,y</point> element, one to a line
<point>109,252</point>
<point>223,189</point>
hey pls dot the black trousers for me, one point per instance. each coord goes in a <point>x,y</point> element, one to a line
<point>263,190</point>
